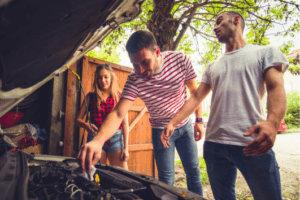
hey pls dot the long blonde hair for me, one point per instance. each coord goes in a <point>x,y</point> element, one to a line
<point>114,86</point>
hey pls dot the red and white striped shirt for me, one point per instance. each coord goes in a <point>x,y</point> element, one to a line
<point>165,93</point>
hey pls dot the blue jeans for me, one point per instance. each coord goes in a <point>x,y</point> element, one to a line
<point>260,172</point>
<point>116,142</point>
<point>183,140</point>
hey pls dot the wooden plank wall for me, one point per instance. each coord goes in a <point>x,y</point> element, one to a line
<point>140,142</point>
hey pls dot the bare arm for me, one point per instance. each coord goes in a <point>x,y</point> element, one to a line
<point>125,131</point>
<point>276,104</point>
<point>198,127</point>
<point>276,99</point>
<point>187,109</point>
<point>80,117</point>
<point>191,104</point>
<point>90,153</point>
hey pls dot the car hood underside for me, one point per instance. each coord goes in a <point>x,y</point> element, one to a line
<point>38,39</point>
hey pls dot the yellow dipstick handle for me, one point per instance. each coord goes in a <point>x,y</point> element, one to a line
<point>97,179</point>
<point>73,72</point>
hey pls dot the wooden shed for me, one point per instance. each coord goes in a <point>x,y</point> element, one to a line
<point>140,141</point>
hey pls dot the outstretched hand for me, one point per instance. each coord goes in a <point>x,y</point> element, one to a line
<point>89,155</point>
<point>264,141</point>
<point>165,135</point>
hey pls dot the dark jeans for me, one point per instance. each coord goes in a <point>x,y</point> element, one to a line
<point>260,172</point>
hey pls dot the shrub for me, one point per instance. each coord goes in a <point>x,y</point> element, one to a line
<point>205,113</point>
<point>291,117</point>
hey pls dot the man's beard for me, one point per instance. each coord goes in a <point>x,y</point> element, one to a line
<point>229,34</point>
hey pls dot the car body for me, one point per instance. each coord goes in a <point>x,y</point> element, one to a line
<point>282,127</point>
<point>38,40</point>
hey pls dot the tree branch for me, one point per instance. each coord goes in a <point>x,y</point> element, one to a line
<point>184,28</point>
<point>258,16</point>
<point>297,5</point>
<point>199,32</point>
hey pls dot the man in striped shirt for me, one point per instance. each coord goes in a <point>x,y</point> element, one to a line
<point>160,80</point>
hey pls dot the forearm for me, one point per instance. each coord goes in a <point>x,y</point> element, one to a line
<point>192,104</point>
<point>125,131</point>
<point>187,109</point>
<point>276,99</point>
<point>276,104</point>
<point>198,111</point>
<point>82,124</point>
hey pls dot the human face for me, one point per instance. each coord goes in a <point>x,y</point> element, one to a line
<point>223,28</point>
<point>104,79</point>
<point>145,62</point>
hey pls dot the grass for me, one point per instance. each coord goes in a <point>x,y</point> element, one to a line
<point>178,162</point>
<point>290,192</point>
<point>204,175</point>
<point>202,165</point>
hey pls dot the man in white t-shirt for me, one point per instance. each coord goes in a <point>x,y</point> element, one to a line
<point>238,134</point>
<point>160,80</point>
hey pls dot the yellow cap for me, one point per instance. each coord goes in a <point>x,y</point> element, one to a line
<point>97,179</point>
<point>182,194</point>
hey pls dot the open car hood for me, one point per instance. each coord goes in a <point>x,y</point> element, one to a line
<point>38,39</point>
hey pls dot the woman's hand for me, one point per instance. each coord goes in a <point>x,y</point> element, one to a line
<point>124,156</point>
<point>92,131</point>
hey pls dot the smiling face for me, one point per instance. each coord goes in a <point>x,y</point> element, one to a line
<point>224,28</point>
<point>145,62</point>
<point>104,79</point>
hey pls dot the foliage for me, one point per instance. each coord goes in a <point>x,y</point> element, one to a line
<point>294,69</point>
<point>205,113</point>
<point>292,115</point>
<point>107,50</point>
<point>294,66</point>
<point>101,54</point>
<point>185,46</point>
<point>286,47</point>
<point>169,20</point>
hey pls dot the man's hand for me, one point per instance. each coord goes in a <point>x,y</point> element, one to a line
<point>198,131</point>
<point>89,155</point>
<point>265,140</point>
<point>166,134</point>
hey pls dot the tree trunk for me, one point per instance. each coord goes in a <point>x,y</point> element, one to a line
<point>162,24</point>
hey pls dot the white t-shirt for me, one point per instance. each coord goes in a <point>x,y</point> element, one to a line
<point>238,92</point>
<point>165,93</point>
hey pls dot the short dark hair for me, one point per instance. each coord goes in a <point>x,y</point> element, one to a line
<point>233,14</point>
<point>139,40</point>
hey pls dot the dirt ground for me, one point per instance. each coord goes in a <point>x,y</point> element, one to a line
<point>290,184</point>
